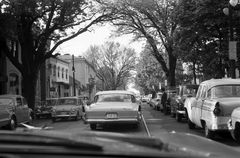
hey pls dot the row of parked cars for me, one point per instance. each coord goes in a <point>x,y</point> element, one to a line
<point>214,105</point>
<point>108,107</point>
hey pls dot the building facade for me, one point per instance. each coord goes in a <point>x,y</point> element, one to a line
<point>84,72</point>
<point>56,80</point>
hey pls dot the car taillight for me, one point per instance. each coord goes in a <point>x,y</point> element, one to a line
<point>217,110</point>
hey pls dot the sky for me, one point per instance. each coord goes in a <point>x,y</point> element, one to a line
<point>79,45</point>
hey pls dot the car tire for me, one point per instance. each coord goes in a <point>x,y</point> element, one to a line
<point>236,133</point>
<point>173,115</point>
<point>208,133</point>
<point>77,117</point>
<point>165,111</point>
<point>93,126</point>
<point>12,123</point>
<point>178,117</point>
<point>53,119</point>
<point>30,121</point>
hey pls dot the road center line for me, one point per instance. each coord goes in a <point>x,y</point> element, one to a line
<point>145,126</point>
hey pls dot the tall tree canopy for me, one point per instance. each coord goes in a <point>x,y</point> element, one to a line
<point>35,23</point>
<point>204,35</point>
<point>114,64</point>
<point>154,21</point>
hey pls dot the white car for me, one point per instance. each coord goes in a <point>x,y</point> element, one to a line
<point>212,107</point>
<point>111,107</point>
<point>234,124</point>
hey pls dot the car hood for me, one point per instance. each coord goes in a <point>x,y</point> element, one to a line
<point>112,105</point>
<point>229,104</point>
<point>64,107</point>
<point>174,144</point>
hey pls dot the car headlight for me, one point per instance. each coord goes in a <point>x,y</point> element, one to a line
<point>73,110</point>
<point>53,110</point>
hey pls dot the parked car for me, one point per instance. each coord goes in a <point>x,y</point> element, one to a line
<point>45,109</point>
<point>156,102</point>
<point>171,93</point>
<point>177,104</point>
<point>234,124</point>
<point>14,110</point>
<point>68,108</point>
<point>145,99</point>
<point>111,107</point>
<point>212,107</point>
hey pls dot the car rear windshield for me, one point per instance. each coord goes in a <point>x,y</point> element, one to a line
<point>225,91</point>
<point>115,98</point>
<point>5,101</point>
<point>51,102</point>
<point>70,101</point>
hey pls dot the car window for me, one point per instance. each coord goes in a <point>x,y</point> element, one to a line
<point>203,93</point>
<point>115,98</point>
<point>19,102</point>
<point>225,91</point>
<point>6,101</point>
<point>24,101</point>
<point>199,91</point>
<point>69,101</point>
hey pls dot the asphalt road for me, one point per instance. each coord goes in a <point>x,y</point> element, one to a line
<point>156,123</point>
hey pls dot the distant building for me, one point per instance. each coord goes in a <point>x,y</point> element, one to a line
<point>56,78</point>
<point>84,72</point>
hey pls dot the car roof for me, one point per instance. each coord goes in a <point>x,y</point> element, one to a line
<point>224,81</point>
<point>10,96</point>
<point>115,92</point>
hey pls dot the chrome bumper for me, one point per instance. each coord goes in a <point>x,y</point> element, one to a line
<point>120,120</point>
<point>183,112</point>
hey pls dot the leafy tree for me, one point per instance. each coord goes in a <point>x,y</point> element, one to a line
<point>35,23</point>
<point>149,72</point>
<point>203,36</point>
<point>114,64</point>
<point>154,21</point>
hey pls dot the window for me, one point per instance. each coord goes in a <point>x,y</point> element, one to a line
<point>66,73</point>
<point>62,72</point>
<point>58,71</point>
<point>54,70</point>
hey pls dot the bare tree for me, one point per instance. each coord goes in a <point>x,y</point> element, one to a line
<point>113,64</point>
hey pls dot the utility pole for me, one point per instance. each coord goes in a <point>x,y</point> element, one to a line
<point>73,70</point>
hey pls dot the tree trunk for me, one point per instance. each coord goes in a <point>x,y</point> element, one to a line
<point>194,73</point>
<point>29,88</point>
<point>172,67</point>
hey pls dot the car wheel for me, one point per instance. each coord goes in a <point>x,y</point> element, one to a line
<point>53,119</point>
<point>178,117</point>
<point>30,119</point>
<point>165,111</point>
<point>208,133</point>
<point>236,133</point>
<point>93,126</point>
<point>12,123</point>
<point>77,117</point>
<point>173,115</point>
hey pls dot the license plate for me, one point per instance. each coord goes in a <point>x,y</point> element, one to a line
<point>63,113</point>
<point>111,116</point>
